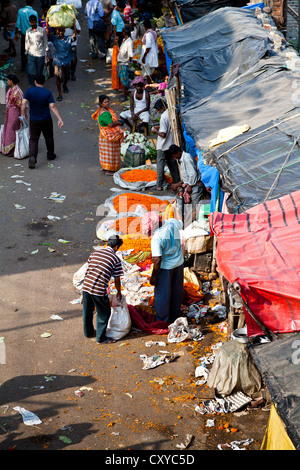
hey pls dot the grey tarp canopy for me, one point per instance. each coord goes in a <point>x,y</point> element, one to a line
<point>231,75</point>
<point>191,9</point>
<point>278,363</point>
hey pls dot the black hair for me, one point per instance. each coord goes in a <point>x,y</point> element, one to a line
<point>159,104</point>
<point>102,98</point>
<point>147,23</point>
<point>127,30</point>
<point>32,17</point>
<point>121,3</point>
<point>173,149</point>
<point>114,241</point>
<point>13,78</point>
<point>40,79</point>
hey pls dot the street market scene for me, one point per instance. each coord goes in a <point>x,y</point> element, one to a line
<point>150,204</point>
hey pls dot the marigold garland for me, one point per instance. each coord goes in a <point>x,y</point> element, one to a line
<point>128,202</point>
<point>127,225</point>
<point>147,175</point>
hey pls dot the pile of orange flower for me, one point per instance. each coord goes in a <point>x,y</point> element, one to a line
<point>128,202</point>
<point>126,225</point>
<point>192,292</point>
<point>147,175</point>
<point>142,243</point>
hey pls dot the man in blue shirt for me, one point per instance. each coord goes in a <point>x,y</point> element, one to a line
<point>40,121</point>
<point>63,56</point>
<point>22,25</point>
<point>167,273</point>
<point>94,12</point>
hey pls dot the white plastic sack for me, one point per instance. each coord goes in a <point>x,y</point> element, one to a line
<point>22,142</point>
<point>109,55</point>
<point>119,323</point>
<point>136,185</point>
<point>233,370</point>
<point>78,277</point>
<point>1,133</point>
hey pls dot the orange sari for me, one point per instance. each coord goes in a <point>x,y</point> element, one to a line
<point>110,139</point>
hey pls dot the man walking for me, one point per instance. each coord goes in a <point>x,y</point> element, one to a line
<point>94,12</point>
<point>8,20</point>
<point>22,25</point>
<point>102,265</point>
<point>36,47</point>
<point>164,141</point>
<point>40,102</point>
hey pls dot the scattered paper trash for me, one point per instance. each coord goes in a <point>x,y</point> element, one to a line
<point>148,344</point>
<point>150,362</point>
<point>75,301</point>
<point>29,418</point>
<point>180,331</point>
<point>90,70</point>
<point>34,252</point>
<point>46,335</point>
<point>57,197</point>
<point>56,317</point>
<point>201,371</point>
<point>53,217</point>
<point>210,423</point>
<point>236,445</point>
<point>18,206</point>
<point>65,439</point>
<point>187,442</point>
<point>61,240</point>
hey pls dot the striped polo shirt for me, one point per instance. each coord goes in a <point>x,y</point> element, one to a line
<point>102,265</point>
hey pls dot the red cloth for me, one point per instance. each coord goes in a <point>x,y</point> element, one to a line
<point>144,321</point>
<point>260,250</point>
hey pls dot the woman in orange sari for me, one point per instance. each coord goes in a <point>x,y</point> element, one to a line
<point>110,136</point>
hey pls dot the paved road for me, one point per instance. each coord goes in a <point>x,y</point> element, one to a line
<point>123,406</point>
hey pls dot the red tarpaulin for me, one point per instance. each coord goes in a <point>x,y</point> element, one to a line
<point>260,250</point>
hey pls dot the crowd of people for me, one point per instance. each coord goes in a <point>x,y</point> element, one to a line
<point>126,30</point>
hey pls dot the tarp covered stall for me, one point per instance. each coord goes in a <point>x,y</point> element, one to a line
<point>278,363</point>
<point>259,165</point>
<point>230,73</point>
<point>260,251</point>
<point>191,9</point>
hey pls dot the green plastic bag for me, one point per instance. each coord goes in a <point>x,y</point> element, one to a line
<point>61,16</point>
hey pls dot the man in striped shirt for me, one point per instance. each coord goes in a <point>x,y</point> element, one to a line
<point>102,265</point>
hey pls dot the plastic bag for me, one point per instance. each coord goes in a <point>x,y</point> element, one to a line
<point>78,277</point>
<point>1,133</point>
<point>22,141</point>
<point>233,370</point>
<point>119,323</point>
<point>179,330</point>
<point>61,16</point>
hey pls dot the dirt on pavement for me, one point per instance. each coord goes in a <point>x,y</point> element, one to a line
<point>46,362</point>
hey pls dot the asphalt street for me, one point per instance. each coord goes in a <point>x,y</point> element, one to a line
<point>44,361</point>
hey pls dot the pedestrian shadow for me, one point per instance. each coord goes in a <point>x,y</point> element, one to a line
<point>57,441</point>
<point>23,387</point>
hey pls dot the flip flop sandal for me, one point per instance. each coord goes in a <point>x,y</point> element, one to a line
<point>109,341</point>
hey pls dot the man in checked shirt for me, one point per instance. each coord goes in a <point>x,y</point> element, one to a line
<point>102,265</point>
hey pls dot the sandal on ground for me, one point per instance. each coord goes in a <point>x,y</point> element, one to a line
<point>109,340</point>
<point>158,188</point>
<point>59,98</point>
